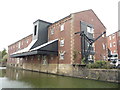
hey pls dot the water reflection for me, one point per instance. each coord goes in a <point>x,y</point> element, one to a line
<point>14,78</point>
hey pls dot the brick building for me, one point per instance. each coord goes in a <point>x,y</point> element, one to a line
<point>113,41</point>
<point>17,46</point>
<point>54,47</point>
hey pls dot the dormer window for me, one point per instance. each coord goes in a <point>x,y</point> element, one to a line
<point>35,30</point>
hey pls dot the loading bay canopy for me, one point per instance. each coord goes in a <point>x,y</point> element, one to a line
<point>48,48</point>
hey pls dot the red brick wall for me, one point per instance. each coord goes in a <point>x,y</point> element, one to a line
<point>90,17</point>
<point>65,34</point>
<point>118,44</point>
<point>14,47</point>
<point>112,39</point>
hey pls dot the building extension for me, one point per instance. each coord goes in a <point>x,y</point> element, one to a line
<point>113,45</point>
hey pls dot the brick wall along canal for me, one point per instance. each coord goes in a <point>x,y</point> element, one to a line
<point>14,78</point>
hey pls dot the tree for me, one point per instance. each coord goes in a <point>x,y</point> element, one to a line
<point>5,57</point>
<point>4,52</point>
<point>0,55</point>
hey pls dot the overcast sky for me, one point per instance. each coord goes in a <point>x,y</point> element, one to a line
<point>17,16</point>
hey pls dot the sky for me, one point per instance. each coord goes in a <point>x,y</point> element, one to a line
<point>17,16</point>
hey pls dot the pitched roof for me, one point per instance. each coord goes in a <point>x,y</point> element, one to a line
<point>93,13</point>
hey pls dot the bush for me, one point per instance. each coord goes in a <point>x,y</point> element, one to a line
<point>100,64</point>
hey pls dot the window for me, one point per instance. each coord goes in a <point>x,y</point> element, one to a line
<point>35,30</point>
<point>62,55</point>
<point>62,27</point>
<point>51,57</point>
<point>32,57</point>
<point>103,46</point>
<point>114,51</point>
<point>38,57</point>
<point>110,37</point>
<point>62,43</point>
<point>19,45</point>
<point>26,58</point>
<point>21,59</point>
<point>90,30</point>
<point>103,35</point>
<point>90,57</point>
<point>44,59</point>
<point>93,45</point>
<point>18,60</point>
<point>114,44</point>
<point>113,36</point>
<point>52,31</point>
<point>26,41</point>
<point>110,44</point>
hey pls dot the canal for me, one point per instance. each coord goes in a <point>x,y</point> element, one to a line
<point>14,78</point>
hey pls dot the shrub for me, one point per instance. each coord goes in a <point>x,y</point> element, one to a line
<point>100,64</point>
<point>83,61</point>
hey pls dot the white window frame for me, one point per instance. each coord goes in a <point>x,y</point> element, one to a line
<point>19,45</point>
<point>61,55</point>
<point>90,57</point>
<point>103,46</point>
<point>93,45</point>
<point>110,37</point>
<point>27,41</point>
<point>90,30</point>
<point>62,27</point>
<point>115,51</point>
<point>26,58</point>
<point>44,59</point>
<point>52,31</point>
<point>110,44</point>
<point>103,35</point>
<point>62,42</point>
<point>21,59</point>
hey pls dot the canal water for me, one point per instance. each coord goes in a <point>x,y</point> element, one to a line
<point>14,78</point>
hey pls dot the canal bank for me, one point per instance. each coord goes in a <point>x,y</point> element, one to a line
<point>18,78</point>
<point>109,75</point>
